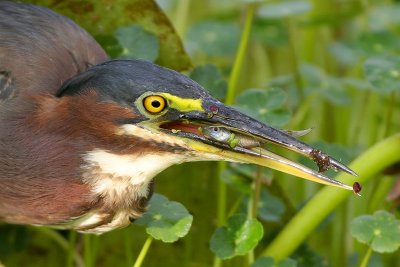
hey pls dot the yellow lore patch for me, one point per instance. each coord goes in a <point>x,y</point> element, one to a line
<point>183,104</point>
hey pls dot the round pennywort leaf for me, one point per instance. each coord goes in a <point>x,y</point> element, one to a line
<point>166,220</point>
<point>214,38</point>
<point>137,43</point>
<point>210,77</point>
<point>271,208</point>
<point>265,105</point>
<point>284,9</point>
<point>239,236</point>
<point>270,262</point>
<point>383,73</point>
<point>381,231</point>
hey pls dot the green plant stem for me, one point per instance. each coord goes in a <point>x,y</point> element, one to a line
<point>360,111</point>
<point>389,114</point>
<point>87,247</point>
<point>339,240</point>
<point>71,250</point>
<point>60,240</point>
<point>293,55</point>
<point>374,109</point>
<point>221,212</point>
<point>128,249</point>
<point>221,204</point>
<point>143,252</point>
<point>250,215</point>
<point>256,192</point>
<point>327,199</point>
<point>381,190</point>
<point>240,55</point>
<point>235,206</point>
<point>366,258</point>
<point>253,207</point>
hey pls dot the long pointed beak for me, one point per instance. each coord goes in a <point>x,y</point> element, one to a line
<point>231,135</point>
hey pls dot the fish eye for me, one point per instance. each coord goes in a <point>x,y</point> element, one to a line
<point>154,103</point>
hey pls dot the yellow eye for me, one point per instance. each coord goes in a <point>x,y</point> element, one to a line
<point>154,103</point>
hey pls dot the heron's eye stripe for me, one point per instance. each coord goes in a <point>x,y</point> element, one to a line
<point>183,104</point>
<point>154,103</point>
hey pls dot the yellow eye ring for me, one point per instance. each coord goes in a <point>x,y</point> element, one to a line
<point>154,103</point>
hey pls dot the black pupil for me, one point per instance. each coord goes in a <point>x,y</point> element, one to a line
<point>155,103</point>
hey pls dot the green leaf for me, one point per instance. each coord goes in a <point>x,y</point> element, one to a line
<point>358,84</point>
<point>344,54</point>
<point>264,262</point>
<point>264,105</point>
<point>271,208</point>
<point>105,17</point>
<point>237,181</point>
<point>329,87</point>
<point>287,263</point>
<point>383,73</point>
<point>239,176</point>
<point>212,37</point>
<point>137,43</point>
<point>270,262</point>
<point>166,220</point>
<point>307,257</point>
<point>250,171</point>
<point>383,16</point>
<point>367,44</point>
<point>110,44</point>
<point>270,32</point>
<point>252,1</point>
<point>376,43</point>
<point>239,236</point>
<point>284,9</point>
<point>381,231</point>
<point>210,77</point>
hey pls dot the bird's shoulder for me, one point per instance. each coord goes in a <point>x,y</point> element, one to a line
<point>40,49</point>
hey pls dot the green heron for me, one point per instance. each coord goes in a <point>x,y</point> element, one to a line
<point>82,136</point>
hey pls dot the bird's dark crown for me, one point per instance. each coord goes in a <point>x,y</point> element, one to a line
<point>123,81</point>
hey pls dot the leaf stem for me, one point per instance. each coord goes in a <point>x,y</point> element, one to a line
<point>143,252</point>
<point>366,258</point>
<point>327,199</point>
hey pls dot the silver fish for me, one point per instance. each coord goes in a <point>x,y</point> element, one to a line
<point>224,135</point>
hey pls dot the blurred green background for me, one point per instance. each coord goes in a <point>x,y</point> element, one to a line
<point>329,65</point>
